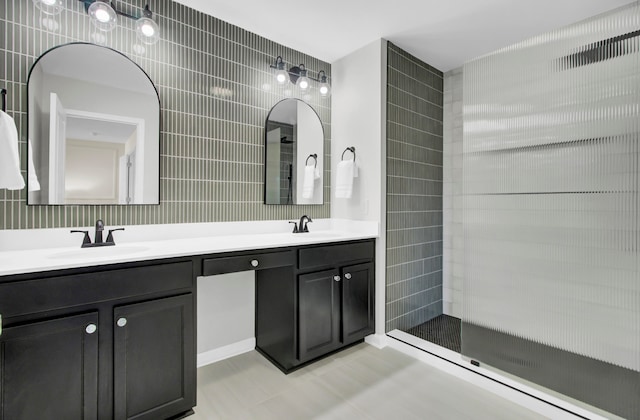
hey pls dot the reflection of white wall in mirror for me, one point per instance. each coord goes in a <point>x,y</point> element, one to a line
<point>38,133</point>
<point>272,180</point>
<point>92,171</point>
<point>114,101</point>
<point>57,149</point>
<point>309,131</point>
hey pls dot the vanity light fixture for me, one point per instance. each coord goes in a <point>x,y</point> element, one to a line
<point>104,15</point>
<point>298,76</point>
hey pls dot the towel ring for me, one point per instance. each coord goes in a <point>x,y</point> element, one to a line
<point>4,99</point>
<point>315,159</point>
<point>352,149</point>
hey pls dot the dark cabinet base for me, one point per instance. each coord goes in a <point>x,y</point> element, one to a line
<point>322,305</point>
<point>109,342</point>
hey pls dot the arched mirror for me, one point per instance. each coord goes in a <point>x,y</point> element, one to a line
<point>94,129</point>
<point>294,154</point>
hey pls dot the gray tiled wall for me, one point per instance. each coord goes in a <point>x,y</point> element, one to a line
<point>414,190</point>
<point>210,76</point>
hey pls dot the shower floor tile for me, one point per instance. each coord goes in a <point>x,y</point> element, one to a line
<point>443,330</point>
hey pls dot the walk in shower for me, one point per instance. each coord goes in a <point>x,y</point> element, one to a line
<point>542,213</point>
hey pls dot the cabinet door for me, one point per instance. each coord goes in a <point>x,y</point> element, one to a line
<point>357,302</point>
<point>319,313</point>
<point>154,358</point>
<point>49,369</point>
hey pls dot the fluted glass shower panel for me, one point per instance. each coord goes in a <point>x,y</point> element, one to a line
<point>551,176</point>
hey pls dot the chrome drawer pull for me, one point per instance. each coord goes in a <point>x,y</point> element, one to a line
<point>255,263</point>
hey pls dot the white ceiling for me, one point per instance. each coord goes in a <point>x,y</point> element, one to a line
<point>444,33</point>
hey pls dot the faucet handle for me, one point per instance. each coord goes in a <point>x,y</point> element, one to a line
<point>295,227</point>
<point>306,225</point>
<point>86,240</point>
<point>110,235</point>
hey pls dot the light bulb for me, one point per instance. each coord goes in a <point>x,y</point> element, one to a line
<point>102,15</point>
<point>147,30</point>
<point>324,89</point>
<point>49,7</point>
<point>303,83</point>
<point>281,76</point>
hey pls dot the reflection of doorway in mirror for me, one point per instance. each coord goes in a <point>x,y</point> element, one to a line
<point>94,149</point>
<point>91,171</point>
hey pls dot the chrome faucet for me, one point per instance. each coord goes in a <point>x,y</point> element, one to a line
<point>303,227</point>
<point>86,240</point>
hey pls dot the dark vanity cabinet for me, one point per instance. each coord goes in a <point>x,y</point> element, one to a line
<point>49,369</point>
<point>153,358</point>
<point>327,304</point>
<point>102,342</point>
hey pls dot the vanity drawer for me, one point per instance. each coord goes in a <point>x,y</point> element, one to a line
<point>326,256</point>
<point>48,294</point>
<point>222,265</point>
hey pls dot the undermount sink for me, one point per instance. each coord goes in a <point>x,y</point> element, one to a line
<point>104,251</point>
<point>318,235</point>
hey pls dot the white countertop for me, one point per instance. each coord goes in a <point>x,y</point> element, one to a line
<point>22,251</point>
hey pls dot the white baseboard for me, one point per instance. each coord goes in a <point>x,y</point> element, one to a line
<point>226,352</point>
<point>451,362</point>
<point>377,340</point>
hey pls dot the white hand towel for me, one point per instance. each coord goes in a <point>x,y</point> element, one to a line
<point>10,176</point>
<point>309,181</point>
<point>344,178</point>
<point>34,184</point>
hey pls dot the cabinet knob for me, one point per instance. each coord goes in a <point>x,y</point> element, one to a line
<point>255,263</point>
<point>336,278</point>
<point>91,328</point>
<point>122,322</point>
<point>347,276</point>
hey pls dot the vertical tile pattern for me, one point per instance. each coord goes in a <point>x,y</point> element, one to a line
<point>216,89</point>
<point>452,233</point>
<point>551,157</point>
<point>414,191</point>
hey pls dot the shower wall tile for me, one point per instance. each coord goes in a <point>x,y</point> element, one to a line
<point>216,89</point>
<point>414,190</point>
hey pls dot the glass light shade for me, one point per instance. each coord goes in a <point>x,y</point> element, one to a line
<point>303,83</point>
<point>147,30</point>
<point>102,15</point>
<point>50,7</point>
<point>325,89</point>
<point>282,76</point>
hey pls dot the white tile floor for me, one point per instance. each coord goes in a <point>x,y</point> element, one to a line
<point>359,383</point>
